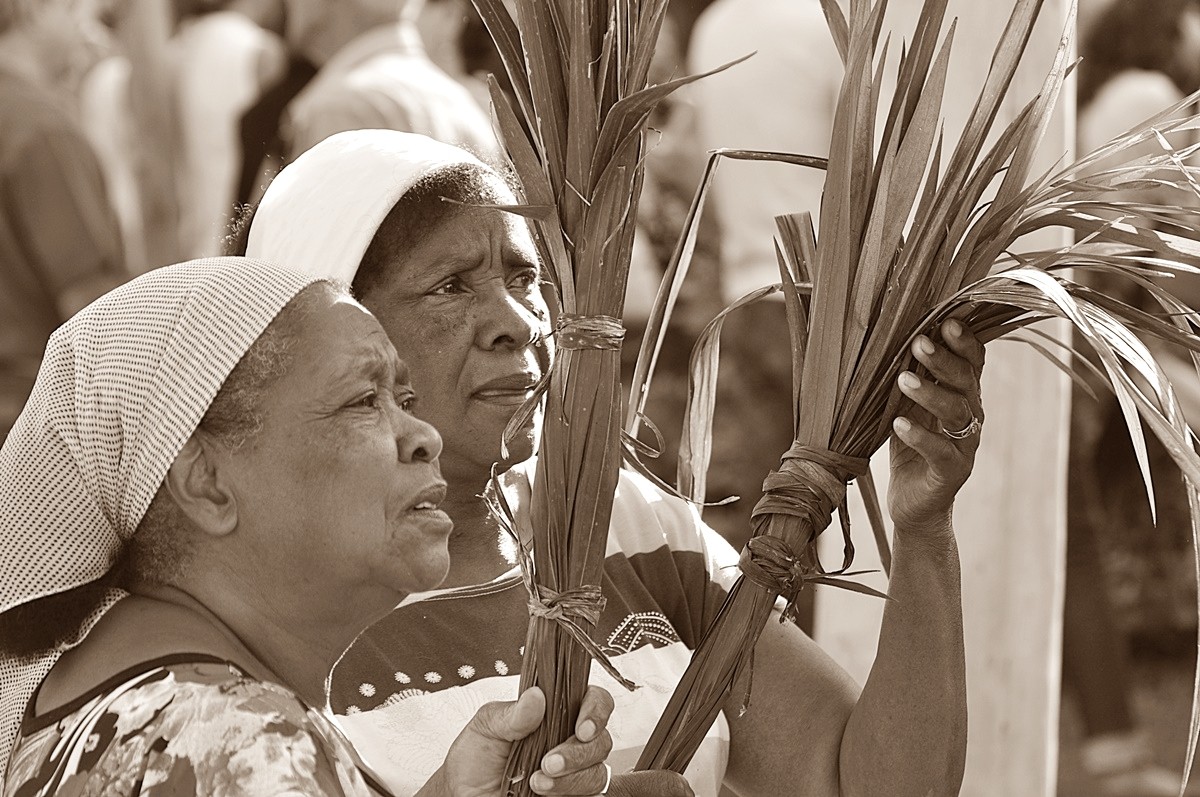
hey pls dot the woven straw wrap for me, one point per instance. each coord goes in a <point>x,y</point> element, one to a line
<point>122,387</point>
<point>321,212</point>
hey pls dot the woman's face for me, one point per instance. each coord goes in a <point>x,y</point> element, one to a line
<point>464,310</point>
<point>342,479</point>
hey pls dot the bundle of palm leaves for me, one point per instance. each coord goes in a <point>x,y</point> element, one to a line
<point>576,142</point>
<point>915,231</point>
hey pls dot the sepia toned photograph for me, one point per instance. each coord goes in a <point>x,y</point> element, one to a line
<point>634,398</point>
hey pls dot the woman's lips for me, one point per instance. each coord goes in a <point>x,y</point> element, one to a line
<point>512,390</point>
<point>424,508</point>
<point>432,521</point>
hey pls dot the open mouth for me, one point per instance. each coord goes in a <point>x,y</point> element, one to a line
<point>429,499</point>
<point>507,390</point>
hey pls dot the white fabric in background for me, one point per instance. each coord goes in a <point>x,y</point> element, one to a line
<point>384,79</point>
<point>781,99</point>
<point>218,79</point>
<point>123,385</point>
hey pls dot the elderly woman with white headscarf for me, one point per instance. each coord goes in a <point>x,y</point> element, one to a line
<point>456,286</point>
<point>216,484</point>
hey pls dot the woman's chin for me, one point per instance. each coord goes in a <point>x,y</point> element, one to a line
<point>431,575</point>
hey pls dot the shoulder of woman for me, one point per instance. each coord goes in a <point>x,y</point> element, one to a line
<point>645,513</point>
<point>645,518</point>
<point>209,725</point>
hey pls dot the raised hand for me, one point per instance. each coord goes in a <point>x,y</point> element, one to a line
<point>934,445</point>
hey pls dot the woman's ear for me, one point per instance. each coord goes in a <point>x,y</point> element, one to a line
<point>200,488</point>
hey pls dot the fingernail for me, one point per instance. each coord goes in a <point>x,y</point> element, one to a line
<point>587,731</point>
<point>909,380</point>
<point>540,782</point>
<point>901,425</point>
<point>954,328</point>
<point>924,345</point>
<point>553,764</point>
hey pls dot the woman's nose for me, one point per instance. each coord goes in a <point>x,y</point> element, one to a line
<point>505,321</point>
<point>416,440</point>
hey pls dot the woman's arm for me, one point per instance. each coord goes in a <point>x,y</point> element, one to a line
<point>806,731</point>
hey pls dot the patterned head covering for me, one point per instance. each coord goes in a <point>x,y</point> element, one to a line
<point>123,385</point>
<point>321,212</point>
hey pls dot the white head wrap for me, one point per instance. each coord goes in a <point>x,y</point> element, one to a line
<point>322,211</point>
<point>122,387</point>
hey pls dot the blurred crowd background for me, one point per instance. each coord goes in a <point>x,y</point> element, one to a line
<point>135,133</point>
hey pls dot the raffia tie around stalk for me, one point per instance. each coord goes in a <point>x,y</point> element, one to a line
<point>809,484</point>
<point>565,608</point>
<point>585,603</point>
<point>589,332</point>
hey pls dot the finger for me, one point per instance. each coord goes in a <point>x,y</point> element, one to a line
<point>594,713</point>
<point>592,780</point>
<point>963,342</point>
<point>947,407</point>
<point>946,366</point>
<point>945,460</point>
<point>508,722</point>
<point>574,755</point>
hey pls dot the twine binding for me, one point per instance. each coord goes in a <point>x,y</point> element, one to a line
<point>809,484</point>
<point>601,332</point>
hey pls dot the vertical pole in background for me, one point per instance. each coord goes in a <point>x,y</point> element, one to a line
<point>1011,516</point>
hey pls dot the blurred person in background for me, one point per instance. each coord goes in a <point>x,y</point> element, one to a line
<point>374,72</point>
<point>225,61</point>
<point>162,108</point>
<point>60,242</point>
<point>262,147</point>
<point>1139,58</point>
<point>782,99</point>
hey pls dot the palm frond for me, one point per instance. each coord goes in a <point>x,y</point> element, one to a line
<point>906,243</point>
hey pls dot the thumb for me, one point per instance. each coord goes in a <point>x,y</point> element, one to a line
<point>508,722</point>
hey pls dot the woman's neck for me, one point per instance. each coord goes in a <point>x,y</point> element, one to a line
<point>296,635</point>
<point>142,628</point>
<point>477,544</point>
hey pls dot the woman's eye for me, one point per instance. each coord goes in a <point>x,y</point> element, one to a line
<point>526,279</point>
<point>367,401</point>
<point>406,400</point>
<point>449,288</point>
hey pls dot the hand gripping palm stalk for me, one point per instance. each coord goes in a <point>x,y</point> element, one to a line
<point>576,142</point>
<point>906,242</point>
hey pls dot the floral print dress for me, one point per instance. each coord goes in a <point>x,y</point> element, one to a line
<point>183,725</point>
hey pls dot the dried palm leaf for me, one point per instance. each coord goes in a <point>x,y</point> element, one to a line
<point>906,243</point>
<point>576,142</point>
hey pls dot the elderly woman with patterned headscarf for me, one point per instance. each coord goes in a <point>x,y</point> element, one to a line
<point>456,286</point>
<point>216,484</point>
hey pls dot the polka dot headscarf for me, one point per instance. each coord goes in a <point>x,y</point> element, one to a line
<point>123,385</point>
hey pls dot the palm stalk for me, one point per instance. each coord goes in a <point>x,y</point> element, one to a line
<point>906,242</point>
<point>575,140</point>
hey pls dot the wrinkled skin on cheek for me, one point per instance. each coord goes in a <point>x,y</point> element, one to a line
<point>329,484</point>
<point>465,311</point>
